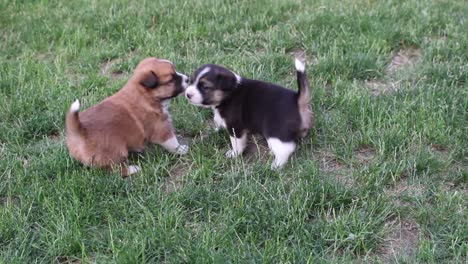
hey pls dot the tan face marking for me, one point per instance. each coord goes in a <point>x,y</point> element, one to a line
<point>204,81</point>
<point>169,83</point>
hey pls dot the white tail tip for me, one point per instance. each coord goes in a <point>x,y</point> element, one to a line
<point>75,106</point>
<point>299,65</point>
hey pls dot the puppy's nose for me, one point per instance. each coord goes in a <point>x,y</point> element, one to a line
<point>188,95</point>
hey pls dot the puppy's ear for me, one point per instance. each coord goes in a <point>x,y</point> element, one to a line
<point>226,80</point>
<point>150,80</point>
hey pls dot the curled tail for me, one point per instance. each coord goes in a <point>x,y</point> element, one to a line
<point>303,98</point>
<point>72,121</point>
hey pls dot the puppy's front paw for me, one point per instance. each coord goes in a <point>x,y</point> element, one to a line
<point>275,166</point>
<point>231,153</point>
<point>182,149</point>
<point>133,169</point>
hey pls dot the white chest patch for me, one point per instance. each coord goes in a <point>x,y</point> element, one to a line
<point>218,120</point>
<point>165,106</point>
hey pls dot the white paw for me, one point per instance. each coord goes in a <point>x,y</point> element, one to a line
<point>182,149</point>
<point>275,165</point>
<point>231,154</point>
<point>133,169</point>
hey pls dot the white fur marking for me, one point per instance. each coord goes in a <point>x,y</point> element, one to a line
<point>195,96</point>
<point>218,120</point>
<point>238,79</point>
<point>203,72</point>
<point>75,106</point>
<point>299,65</point>
<point>165,106</point>
<point>281,150</point>
<point>172,145</point>
<point>184,80</point>
<point>133,169</point>
<point>238,146</point>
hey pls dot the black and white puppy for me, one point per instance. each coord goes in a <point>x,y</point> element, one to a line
<point>243,105</point>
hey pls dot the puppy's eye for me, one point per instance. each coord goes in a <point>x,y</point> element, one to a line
<point>204,86</point>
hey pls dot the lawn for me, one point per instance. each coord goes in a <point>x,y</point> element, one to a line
<point>381,178</point>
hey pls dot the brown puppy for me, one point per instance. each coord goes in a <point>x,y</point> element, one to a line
<point>104,134</point>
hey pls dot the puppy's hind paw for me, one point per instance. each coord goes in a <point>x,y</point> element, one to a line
<point>182,149</point>
<point>276,167</point>
<point>133,169</point>
<point>231,153</point>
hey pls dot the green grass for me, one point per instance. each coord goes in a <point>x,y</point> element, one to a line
<point>375,160</point>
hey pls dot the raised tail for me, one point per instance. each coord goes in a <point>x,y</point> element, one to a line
<point>303,98</point>
<point>72,121</point>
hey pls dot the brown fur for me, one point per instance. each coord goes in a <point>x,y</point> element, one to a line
<point>105,133</point>
<point>305,111</point>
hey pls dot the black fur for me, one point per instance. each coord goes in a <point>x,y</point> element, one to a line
<point>251,105</point>
<point>178,82</point>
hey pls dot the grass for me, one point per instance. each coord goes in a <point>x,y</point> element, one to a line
<point>381,178</point>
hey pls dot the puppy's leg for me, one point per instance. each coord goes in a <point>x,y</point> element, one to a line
<point>120,163</point>
<point>281,150</point>
<point>238,143</point>
<point>163,135</point>
<point>172,145</point>
<point>218,120</point>
<point>127,170</point>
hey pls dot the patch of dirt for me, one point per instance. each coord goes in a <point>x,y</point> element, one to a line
<point>105,69</point>
<point>437,40</point>
<point>46,56</point>
<point>302,56</point>
<point>401,240</point>
<point>2,148</point>
<point>440,150</point>
<point>334,168</point>
<point>403,188</point>
<point>67,260</point>
<point>364,155</point>
<point>297,53</point>
<point>328,162</point>
<point>56,136</point>
<point>403,59</point>
<point>174,181</point>
<point>75,78</point>
<point>12,201</point>
<point>379,87</point>
<point>345,178</point>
